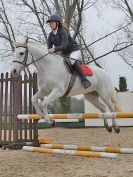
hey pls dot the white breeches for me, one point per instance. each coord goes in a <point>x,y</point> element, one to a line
<point>75,55</point>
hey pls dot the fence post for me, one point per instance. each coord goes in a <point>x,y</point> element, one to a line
<point>35,124</point>
<point>16,106</point>
<point>1,107</point>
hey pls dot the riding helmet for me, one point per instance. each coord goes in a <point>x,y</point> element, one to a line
<point>55,18</point>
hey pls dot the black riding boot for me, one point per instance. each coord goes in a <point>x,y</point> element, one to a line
<point>84,81</point>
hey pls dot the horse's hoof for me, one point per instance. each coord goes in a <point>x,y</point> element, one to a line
<point>109,129</point>
<point>117,130</point>
<point>53,123</point>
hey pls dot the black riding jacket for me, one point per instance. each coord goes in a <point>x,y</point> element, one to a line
<point>62,41</point>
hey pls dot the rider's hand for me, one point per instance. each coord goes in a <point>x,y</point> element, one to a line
<point>52,50</point>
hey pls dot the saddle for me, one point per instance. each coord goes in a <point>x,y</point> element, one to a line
<point>87,71</point>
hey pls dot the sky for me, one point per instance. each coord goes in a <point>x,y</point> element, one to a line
<point>96,25</point>
<point>103,25</point>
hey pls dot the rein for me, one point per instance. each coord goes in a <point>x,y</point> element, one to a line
<point>36,59</point>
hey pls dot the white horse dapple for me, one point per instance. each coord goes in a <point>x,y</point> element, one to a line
<point>54,78</point>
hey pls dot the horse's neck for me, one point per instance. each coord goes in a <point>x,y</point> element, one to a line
<point>37,51</point>
<point>49,62</point>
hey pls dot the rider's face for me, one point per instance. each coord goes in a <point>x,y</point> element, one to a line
<point>52,25</point>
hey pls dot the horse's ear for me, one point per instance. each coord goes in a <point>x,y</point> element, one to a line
<point>14,44</point>
<point>20,43</point>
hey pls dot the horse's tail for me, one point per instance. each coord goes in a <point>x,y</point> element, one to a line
<point>116,105</point>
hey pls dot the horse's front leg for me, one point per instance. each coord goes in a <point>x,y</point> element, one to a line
<point>47,100</point>
<point>34,99</point>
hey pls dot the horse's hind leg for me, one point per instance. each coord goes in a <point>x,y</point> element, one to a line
<point>112,109</point>
<point>94,99</point>
<point>116,105</point>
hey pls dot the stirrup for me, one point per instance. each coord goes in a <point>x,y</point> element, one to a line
<point>85,83</point>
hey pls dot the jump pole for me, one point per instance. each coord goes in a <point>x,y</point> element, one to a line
<point>80,116</point>
<point>89,148</point>
<point>70,152</point>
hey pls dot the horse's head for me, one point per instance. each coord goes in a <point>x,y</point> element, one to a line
<point>22,57</point>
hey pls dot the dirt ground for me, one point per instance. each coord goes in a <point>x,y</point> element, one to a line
<point>17,163</point>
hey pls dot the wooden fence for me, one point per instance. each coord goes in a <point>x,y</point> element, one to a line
<point>15,98</point>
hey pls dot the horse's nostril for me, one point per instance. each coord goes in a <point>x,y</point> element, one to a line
<point>14,71</point>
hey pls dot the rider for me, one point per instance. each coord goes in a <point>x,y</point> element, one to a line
<point>60,40</point>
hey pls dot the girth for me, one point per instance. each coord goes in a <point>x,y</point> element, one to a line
<point>73,75</point>
<point>71,83</point>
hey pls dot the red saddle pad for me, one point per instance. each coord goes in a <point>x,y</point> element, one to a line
<point>86,70</point>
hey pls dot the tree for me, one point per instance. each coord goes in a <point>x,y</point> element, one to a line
<point>7,33</point>
<point>125,6</point>
<point>126,35</point>
<point>122,84</point>
<point>31,16</point>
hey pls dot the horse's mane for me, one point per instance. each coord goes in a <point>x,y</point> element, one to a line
<point>30,40</point>
<point>33,41</point>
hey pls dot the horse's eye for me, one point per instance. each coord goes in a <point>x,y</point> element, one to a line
<point>21,53</point>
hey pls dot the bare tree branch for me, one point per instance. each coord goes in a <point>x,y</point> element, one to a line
<point>58,10</point>
<point>112,51</point>
<point>123,27</point>
<point>9,36</point>
<point>80,9</point>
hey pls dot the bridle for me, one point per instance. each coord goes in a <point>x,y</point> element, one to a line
<point>27,51</point>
